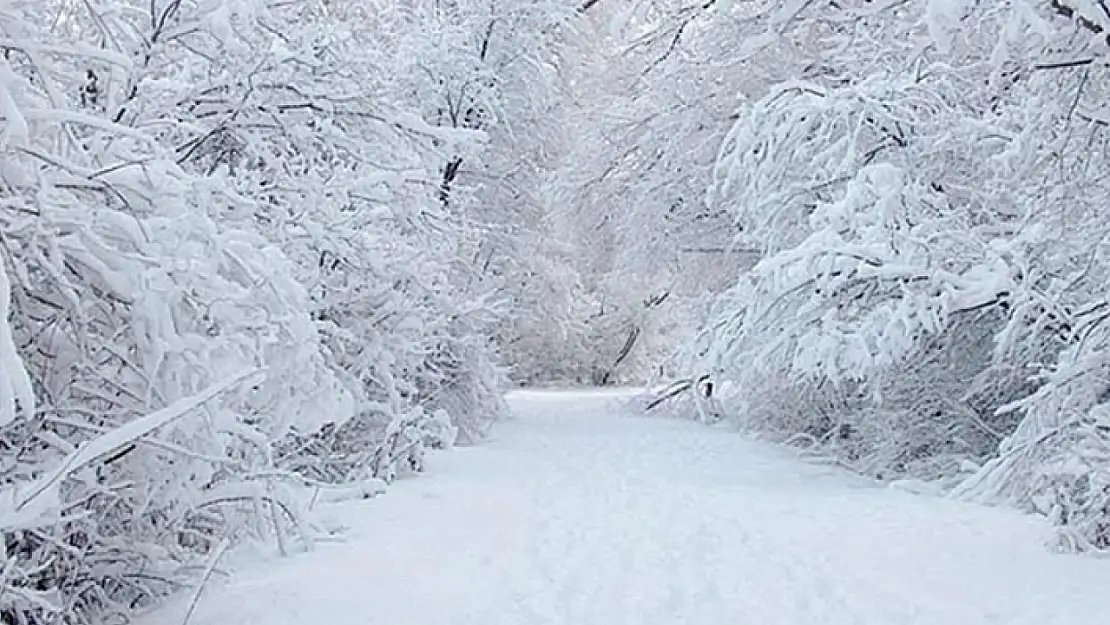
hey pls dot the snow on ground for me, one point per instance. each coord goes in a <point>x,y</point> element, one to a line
<point>577,514</point>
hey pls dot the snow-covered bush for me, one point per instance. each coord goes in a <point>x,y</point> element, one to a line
<point>921,187</point>
<point>229,282</point>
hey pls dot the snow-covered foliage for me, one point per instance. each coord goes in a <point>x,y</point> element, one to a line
<point>624,205</point>
<point>909,201</point>
<point>241,269</point>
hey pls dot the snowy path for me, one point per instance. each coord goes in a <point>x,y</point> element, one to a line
<point>576,515</point>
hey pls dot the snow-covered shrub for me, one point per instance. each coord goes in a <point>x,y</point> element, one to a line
<point>129,296</point>
<point>921,185</point>
<point>227,281</point>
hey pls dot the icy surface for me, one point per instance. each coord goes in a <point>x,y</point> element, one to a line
<point>577,514</point>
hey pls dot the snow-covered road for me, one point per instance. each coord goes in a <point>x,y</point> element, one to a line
<point>578,515</point>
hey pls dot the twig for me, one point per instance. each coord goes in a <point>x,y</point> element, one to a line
<point>1065,64</point>
<point>676,389</point>
<point>218,553</point>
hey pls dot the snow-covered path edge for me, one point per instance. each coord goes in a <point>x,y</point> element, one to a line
<point>574,513</point>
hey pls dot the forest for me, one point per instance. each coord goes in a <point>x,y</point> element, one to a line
<point>256,255</point>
